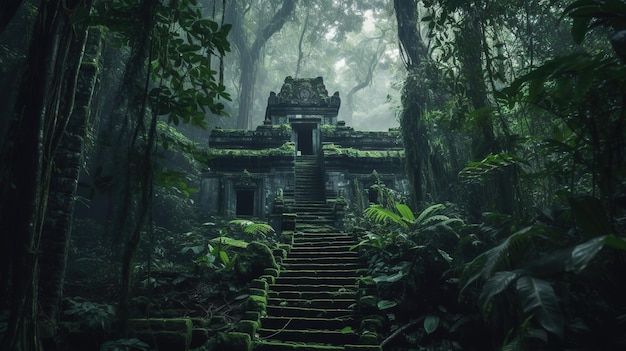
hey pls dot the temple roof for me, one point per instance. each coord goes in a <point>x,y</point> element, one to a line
<point>303,96</point>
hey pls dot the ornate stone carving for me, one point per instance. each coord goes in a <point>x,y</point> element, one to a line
<point>302,96</point>
<point>303,91</point>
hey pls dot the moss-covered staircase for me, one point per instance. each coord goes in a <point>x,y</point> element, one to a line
<point>310,304</point>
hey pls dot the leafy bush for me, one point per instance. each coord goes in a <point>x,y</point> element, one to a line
<point>91,314</point>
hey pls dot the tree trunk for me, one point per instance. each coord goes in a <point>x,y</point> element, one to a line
<point>249,56</point>
<point>64,181</point>
<point>26,170</point>
<point>369,76</point>
<point>484,142</point>
<point>413,100</point>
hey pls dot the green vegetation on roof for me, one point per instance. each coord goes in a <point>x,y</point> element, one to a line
<point>287,149</point>
<point>331,150</point>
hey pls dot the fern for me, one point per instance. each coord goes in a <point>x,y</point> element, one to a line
<point>249,227</point>
<point>382,215</point>
<point>476,172</point>
<point>428,213</point>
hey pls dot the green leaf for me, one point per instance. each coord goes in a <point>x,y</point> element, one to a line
<point>224,257</point>
<point>386,304</point>
<point>389,278</point>
<point>347,330</point>
<point>445,256</point>
<point>615,242</point>
<point>382,215</point>
<point>223,240</point>
<point>405,211</point>
<point>431,323</point>
<point>538,298</point>
<point>583,253</point>
<point>497,284</point>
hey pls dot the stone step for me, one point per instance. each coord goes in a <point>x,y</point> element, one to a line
<point>315,288</point>
<point>331,337</point>
<point>344,303</point>
<point>331,238</point>
<point>322,254</point>
<point>266,345</point>
<point>312,206</point>
<point>289,311</point>
<point>313,229</point>
<point>355,266</point>
<point>307,323</point>
<point>309,295</point>
<point>322,260</point>
<point>326,249</point>
<point>314,219</point>
<point>288,272</point>
<point>310,242</point>
<point>313,280</point>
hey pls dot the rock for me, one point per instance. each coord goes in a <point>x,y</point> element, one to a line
<point>253,261</point>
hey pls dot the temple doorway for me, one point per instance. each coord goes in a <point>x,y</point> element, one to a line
<point>305,141</point>
<point>306,135</point>
<point>245,203</point>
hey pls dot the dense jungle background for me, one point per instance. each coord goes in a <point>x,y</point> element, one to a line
<point>512,115</point>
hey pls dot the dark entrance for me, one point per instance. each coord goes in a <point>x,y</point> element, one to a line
<point>245,202</point>
<point>305,141</point>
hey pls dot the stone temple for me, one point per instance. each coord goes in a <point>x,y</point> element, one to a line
<point>301,153</point>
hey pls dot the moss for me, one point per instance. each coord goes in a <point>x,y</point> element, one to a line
<point>287,149</point>
<point>368,304</point>
<point>258,292</point>
<point>271,271</point>
<point>285,247</point>
<point>199,322</point>
<point>252,316</point>
<point>248,327</point>
<point>259,284</point>
<point>331,150</point>
<point>256,303</point>
<point>233,342</point>
<point>268,278</point>
<point>218,322</point>
<point>252,262</point>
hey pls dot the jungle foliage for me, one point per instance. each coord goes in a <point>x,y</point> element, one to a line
<point>529,137</point>
<point>512,114</point>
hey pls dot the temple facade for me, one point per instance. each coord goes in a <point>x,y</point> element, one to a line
<point>300,151</point>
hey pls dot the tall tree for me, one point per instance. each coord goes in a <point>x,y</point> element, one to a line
<point>414,100</point>
<point>35,130</point>
<point>250,51</point>
<point>65,174</point>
